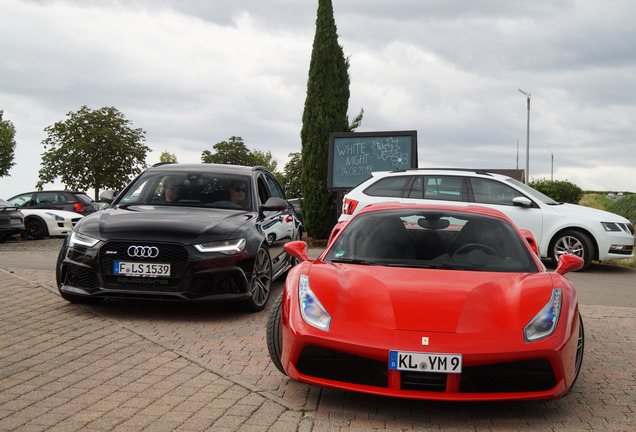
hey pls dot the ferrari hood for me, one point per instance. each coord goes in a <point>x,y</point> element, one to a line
<point>164,223</point>
<point>428,299</point>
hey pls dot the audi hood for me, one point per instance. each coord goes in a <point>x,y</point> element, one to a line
<point>165,223</point>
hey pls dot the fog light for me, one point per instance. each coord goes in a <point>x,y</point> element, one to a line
<point>621,249</point>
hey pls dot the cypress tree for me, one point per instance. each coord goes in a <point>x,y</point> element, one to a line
<point>325,111</point>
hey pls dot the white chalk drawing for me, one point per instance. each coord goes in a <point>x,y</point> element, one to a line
<point>389,148</point>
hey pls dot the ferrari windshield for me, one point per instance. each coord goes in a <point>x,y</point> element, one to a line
<point>432,239</point>
<point>192,190</point>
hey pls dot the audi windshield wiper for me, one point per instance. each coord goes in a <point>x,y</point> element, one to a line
<point>352,261</point>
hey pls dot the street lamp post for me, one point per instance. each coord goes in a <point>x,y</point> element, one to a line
<point>527,138</point>
<point>551,166</point>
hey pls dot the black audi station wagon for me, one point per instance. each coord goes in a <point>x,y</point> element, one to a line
<point>181,232</point>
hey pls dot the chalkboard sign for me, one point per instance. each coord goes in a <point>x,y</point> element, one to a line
<point>354,156</point>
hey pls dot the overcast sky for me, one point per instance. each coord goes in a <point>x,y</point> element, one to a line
<point>196,72</point>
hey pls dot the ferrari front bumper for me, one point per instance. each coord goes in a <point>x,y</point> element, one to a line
<point>495,366</point>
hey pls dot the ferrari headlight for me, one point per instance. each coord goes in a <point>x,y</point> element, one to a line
<point>311,309</point>
<point>227,247</point>
<point>78,239</point>
<point>545,322</point>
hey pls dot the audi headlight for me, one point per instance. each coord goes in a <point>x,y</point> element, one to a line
<point>311,309</point>
<point>545,322</point>
<point>82,240</point>
<point>227,247</point>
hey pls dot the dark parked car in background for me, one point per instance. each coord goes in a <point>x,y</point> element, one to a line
<point>11,221</point>
<point>73,201</point>
<point>181,232</point>
<point>295,202</point>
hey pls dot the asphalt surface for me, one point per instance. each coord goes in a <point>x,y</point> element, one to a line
<point>150,366</point>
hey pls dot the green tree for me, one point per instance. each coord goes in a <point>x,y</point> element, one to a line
<point>325,111</point>
<point>235,152</point>
<point>232,152</point>
<point>7,145</point>
<point>167,157</point>
<point>93,149</point>
<point>291,176</point>
<point>558,190</point>
<point>258,158</point>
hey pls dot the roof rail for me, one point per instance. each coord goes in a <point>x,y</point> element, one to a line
<point>476,171</point>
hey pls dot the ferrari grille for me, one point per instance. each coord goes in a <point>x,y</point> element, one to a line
<point>519,376</point>
<point>423,381</point>
<point>338,366</point>
<point>510,377</point>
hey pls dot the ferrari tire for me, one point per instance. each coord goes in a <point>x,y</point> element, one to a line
<point>580,348</point>
<point>578,358</point>
<point>35,229</point>
<point>260,282</point>
<point>572,242</point>
<point>274,336</point>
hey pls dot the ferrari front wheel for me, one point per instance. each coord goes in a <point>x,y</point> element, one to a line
<point>580,347</point>
<point>274,336</point>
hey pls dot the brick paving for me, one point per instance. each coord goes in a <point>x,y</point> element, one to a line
<point>134,366</point>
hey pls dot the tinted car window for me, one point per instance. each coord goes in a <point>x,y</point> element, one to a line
<point>46,198</point>
<point>448,188</point>
<point>432,238</point>
<point>263,191</point>
<point>492,192</point>
<point>83,198</point>
<point>193,189</point>
<point>274,189</point>
<point>417,188</point>
<point>388,186</point>
<point>21,200</point>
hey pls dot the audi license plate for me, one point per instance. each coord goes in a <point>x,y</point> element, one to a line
<point>425,362</point>
<point>142,269</point>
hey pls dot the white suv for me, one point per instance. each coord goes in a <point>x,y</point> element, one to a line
<point>558,228</point>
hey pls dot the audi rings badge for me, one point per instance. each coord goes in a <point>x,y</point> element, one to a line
<point>143,251</point>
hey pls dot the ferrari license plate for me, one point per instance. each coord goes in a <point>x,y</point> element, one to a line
<point>425,362</point>
<point>141,269</point>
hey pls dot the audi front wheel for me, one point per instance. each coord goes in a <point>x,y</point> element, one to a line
<point>260,281</point>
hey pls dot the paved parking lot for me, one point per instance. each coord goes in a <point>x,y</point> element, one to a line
<point>153,366</point>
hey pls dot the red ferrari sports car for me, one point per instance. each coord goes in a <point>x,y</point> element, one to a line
<point>429,302</point>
